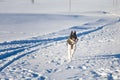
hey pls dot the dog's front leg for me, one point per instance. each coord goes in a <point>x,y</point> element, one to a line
<point>73,50</point>
<point>69,53</point>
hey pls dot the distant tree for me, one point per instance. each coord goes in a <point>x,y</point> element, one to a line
<point>115,3</point>
<point>33,1</point>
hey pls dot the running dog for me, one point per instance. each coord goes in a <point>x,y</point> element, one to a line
<point>72,40</point>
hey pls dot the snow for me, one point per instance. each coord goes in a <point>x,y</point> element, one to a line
<point>29,25</point>
<point>33,44</point>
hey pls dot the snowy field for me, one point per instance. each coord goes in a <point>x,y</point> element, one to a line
<point>33,44</point>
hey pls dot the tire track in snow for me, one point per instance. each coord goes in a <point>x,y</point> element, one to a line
<point>15,52</point>
<point>9,49</point>
<point>16,58</point>
<point>19,42</point>
<point>5,55</point>
<point>18,54</point>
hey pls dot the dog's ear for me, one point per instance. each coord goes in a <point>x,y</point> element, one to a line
<point>72,32</point>
<point>75,32</point>
<point>75,35</point>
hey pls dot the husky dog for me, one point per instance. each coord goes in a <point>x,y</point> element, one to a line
<point>72,40</point>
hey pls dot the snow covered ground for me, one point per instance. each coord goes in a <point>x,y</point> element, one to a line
<point>43,57</point>
<point>28,25</point>
<point>33,45</point>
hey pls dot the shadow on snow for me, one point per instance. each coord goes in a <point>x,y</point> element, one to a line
<point>112,55</point>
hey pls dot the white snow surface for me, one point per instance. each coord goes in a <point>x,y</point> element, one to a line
<point>43,55</point>
<point>33,40</point>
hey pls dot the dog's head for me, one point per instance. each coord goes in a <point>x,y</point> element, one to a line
<point>73,38</point>
<point>73,35</point>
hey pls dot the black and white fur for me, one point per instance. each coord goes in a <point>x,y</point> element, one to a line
<point>72,40</point>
